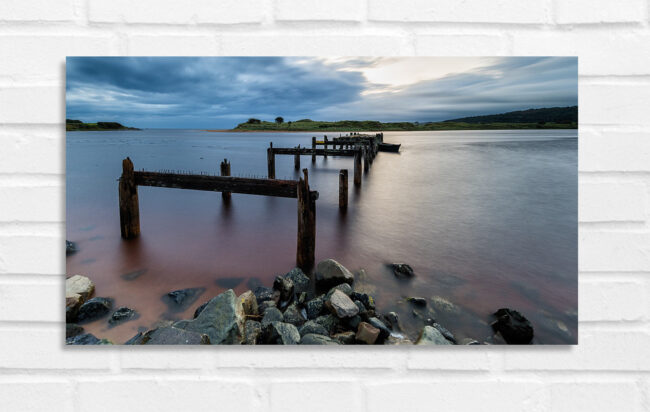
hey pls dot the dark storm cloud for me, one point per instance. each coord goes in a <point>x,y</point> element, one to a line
<point>221,92</point>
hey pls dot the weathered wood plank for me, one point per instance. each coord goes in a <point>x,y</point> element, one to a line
<point>309,151</point>
<point>264,187</point>
<point>128,199</point>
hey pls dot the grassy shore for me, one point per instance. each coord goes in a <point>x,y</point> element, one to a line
<point>78,125</point>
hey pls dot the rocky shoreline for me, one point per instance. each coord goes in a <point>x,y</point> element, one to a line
<point>323,310</point>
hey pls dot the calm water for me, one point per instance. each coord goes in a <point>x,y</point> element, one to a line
<point>487,219</point>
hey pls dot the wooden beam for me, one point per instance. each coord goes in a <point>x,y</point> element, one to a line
<point>313,146</point>
<point>296,160</point>
<point>357,166</point>
<point>128,198</point>
<point>306,224</point>
<point>225,171</point>
<point>343,189</point>
<point>270,161</point>
<point>314,152</point>
<point>264,187</point>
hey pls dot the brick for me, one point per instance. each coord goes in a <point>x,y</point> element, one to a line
<point>31,395</point>
<point>322,45</point>
<point>460,45</point>
<point>336,10</point>
<point>600,51</point>
<point>26,204</point>
<point>22,348</point>
<point>613,201</point>
<point>172,45</point>
<point>456,396</point>
<point>32,150</point>
<point>166,395</point>
<point>159,358</point>
<point>348,396</point>
<point>173,12</point>
<point>613,151</point>
<point>470,11</point>
<point>38,104</point>
<point>599,349</point>
<point>36,10</point>
<point>26,302</point>
<point>42,58</point>
<point>599,11</point>
<point>615,104</point>
<point>595,396</point>
<point>32,255</point>
<point>614,251</point>
<point>612,301</point>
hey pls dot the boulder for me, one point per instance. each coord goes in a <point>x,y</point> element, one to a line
<point>87,339</point>
<point>271,315</point>
<point>384,332</point>
<point>72,304</point>
<point>221,319</point>
<point>393,319</point>
<point>431,336</point>
<point>342,305</point>
<point>417,301</point>
<point>312,327</point>
<point>181,324</point>
<point>513,326</point>
<point>448,335</point>
<point>262,307</point>
<point>263,294</point>
<point>345,338</point>
<point>299,279</point>
<point>364,298</point>
<point>72,329</point>
<point>329,273</point>
<point>329,322</point>
<point>293,315</point>
<point>402,270</point>
<point>284,334</point>
<point>95,308</point>
<point>362,309</point>
<point>343,287</point>
<point>248,303</point>
<point>366,333</point>
<point>314,339</point>
<point>442,305</point>
<point>314,307</point>
<point>285,287</point>
<point>199,310</point>
<point>174,336</point>
<point>136,340</point>
<point>80,285</point>
<point>252,332</point>
<point>353,322</point>
<point>122,314</point>
<point>180,300</point>
<point>70,248</point>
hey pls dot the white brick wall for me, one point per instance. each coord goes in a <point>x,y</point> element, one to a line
<point>607,371</point>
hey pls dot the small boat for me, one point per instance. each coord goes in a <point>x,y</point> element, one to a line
<point>389,147</point>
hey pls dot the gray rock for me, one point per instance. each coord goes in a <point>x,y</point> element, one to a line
<point>285,287</point>
<point>198,310</point>
<point>448,335</point>
<point>384,332</point>
<point>87,339</point>
<point>314,339</point>
<point>343,287</point>
<point>342,305</point>
<point>345,338</point>
<point>417,301</point>
<point>353,322</point>
<point>329,273</point>
<point>314,307</point>
<point>284,334</point>
<point>263,294</point>
<point>293,315</point>
<point>174,336</point>
<point>364,298</point>
<point>362,309</point>
<point>72,304</point>
<point>393,319</point>
<point>181,324</point>
<point>312,327</point>
<point>70,248</point>
<point>252,332</point>
<point>262,307</point>
<point>221,319</point>
<point>179,300</point>
<point>136,340</point>
<point>299,279</point>
<point>329,322</point>
<point>271,315</point>
<point>431,336</point>
<point>513,326</point>
<point>95,308</point>
<point>402,270</point>
<point>121,315</point>
<point>72,329</point>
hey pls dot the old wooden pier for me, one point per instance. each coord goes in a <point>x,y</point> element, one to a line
<point>226,184</point>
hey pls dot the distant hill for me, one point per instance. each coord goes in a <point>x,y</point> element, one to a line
<point>564,115</point>
<point>78,125</point>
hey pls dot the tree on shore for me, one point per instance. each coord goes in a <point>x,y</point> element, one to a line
<point>279,120</point>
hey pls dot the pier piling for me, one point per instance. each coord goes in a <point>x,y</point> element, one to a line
<point>270,161</point>
<point>128,199</point>
<point>296,159</point>
<point>313,146</point>
<point>225,171</point>
<point>357,166</point>
<point>343,189</point>
<point>306,224</point>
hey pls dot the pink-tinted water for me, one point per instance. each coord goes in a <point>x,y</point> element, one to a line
<point>487,219</point>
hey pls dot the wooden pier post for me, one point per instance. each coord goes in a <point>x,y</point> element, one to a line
<point>366,161</point>
<point>270,161</point>
<point>325,140</point>
<point>296,159</point>
<point>313,146</point>
<point>357,167</point>
<point>128,198</point>
<point>306,224</point>
<point>225,171</point>
<point>343,189</point>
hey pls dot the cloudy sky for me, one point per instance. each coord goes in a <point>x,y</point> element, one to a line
<point>220,92</point>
